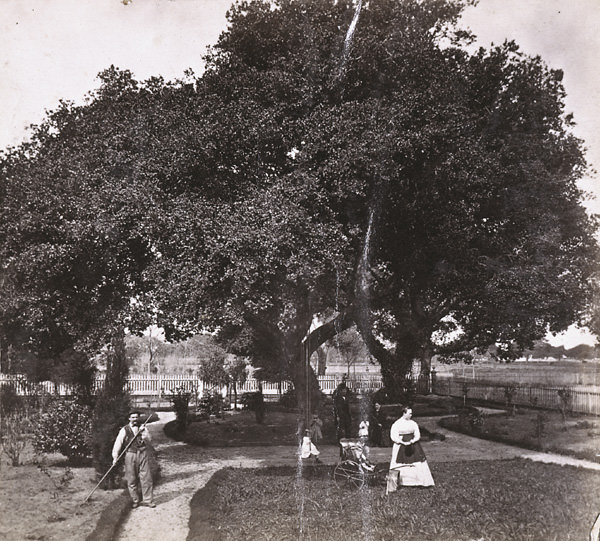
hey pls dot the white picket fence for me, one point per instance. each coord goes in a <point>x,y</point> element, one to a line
<point>158,387</point>
<point>161,385</point>
<point>581,400</point>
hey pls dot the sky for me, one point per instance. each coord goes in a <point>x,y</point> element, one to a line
<point>54,49</point>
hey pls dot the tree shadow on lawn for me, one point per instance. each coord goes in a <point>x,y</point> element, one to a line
<point>239,429</point>
<point>280,427</point>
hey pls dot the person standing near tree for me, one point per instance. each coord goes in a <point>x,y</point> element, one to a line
<point>342,411</point>
<point>316,435</point>
<point>376,420</point>
<point>136,439</point>
<point>258,405</point>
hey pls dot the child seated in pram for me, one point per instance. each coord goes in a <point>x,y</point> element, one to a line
<point>354,451</point>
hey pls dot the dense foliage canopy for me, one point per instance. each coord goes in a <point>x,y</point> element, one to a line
<point>389,179</point>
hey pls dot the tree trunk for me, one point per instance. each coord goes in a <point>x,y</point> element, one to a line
<point>395,366</point>
<point>4,365</point>
<point>426,355</point>
<point>116,367</point>
<point>425,372</point>
<point>321,361</point>
<point>306,385</point>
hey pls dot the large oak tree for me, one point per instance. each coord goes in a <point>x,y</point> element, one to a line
<point>394,180</point>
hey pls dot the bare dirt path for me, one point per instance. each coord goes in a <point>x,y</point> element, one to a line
<point>186,469</point>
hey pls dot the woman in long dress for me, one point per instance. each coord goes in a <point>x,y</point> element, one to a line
<point>408,466</point>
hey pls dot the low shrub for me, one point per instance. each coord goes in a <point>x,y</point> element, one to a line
<point>212,403</point>
<point>62,483</point>
<point>255,402</point>
<point>510,391</point>
<point>64,428</point>
<point>471,420</point>
<point>15,435</point>
<point>540,428</point>
<point>566,402</point>
<point>289,399</point>
<point>180,400</point>
<point>585,424</point>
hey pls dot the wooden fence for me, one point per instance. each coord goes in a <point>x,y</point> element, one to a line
<point>577,400</point>
<point>158,387</point>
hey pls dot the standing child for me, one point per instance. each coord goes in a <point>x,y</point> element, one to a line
<point>363,431</point>
<point>308,448</point>
<point>316,435</point>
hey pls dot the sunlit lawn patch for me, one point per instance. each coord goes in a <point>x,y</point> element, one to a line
<point>535,429</point>
<point>491,500</point>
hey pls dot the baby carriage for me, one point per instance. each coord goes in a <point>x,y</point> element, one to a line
<point>354,469</point>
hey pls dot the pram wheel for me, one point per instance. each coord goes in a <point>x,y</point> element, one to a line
<point>348,474</point>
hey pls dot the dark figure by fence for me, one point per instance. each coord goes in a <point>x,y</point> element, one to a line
<point>334,395</point>
<point>343,418</point>
<point>259,406</point>
<point>376,423</point>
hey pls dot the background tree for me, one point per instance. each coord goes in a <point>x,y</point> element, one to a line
<point>213,371</point>
<point>237,371</point>
<point>72,243</point>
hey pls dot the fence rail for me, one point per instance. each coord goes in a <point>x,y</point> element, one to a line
<point>160,386</point>
<point>540,396</point>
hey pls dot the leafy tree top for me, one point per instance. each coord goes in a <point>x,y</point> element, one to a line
<point>403,184</point>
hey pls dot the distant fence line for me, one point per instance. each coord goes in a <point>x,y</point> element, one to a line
<point>163,384</point>
<point>529,395</point>
<point>160,385</point>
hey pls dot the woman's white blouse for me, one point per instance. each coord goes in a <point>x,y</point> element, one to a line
<point>405,426</point>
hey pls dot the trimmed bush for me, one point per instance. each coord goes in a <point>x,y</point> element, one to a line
<point>10,401</point>
<point>110,414</point>
<point>64,428</point>
<point>14,436</point>
<point>211,404</point>
<point>180,400</point>
<point>255,402</point>
<point>289,399</point>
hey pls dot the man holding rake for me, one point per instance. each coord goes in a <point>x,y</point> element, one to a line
<point>135,439</point>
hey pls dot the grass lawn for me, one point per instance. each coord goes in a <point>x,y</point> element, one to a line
<point>481,500</point>
<point>491,500</point>
<point>44,499</point>
<point>280,425</point>
<point>534,429</point>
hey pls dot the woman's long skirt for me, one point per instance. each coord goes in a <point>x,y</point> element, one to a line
<point>408,467</point>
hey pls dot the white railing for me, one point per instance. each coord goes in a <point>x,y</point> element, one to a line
<point>160,385</point>
<point>163,384</point>
<point>540,396</point>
